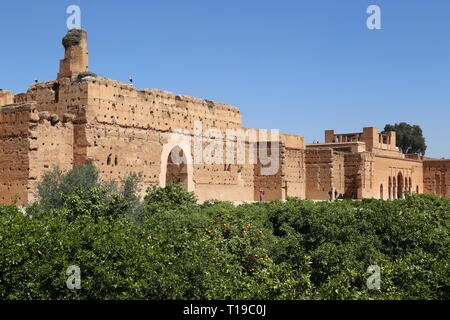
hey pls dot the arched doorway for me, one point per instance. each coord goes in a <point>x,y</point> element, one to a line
<point>400,187</point>
<point>177,167</point>
<point>176,162</point>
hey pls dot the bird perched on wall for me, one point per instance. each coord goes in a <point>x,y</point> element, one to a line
<point>131,80</point>
<point>35,80</point>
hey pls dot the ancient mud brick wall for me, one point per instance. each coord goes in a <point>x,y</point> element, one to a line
<point>338,173</point>
<point>318,173</point>
<point>406,174</point>
<point>14,152</point>
<point>293,173</point>
<point>324,173</point>
<point>293,166</point>
<point>436,177</point>
<point>231,178</point>
<point>31,143</point>
<point>354,172</point>
<point>6,97</point>
<point>134,130</point>
<point>119,132</point>
<point>272,184</point>
<point>367,175</point>
<point>225,181</point>
<point>50,145</point>
<point>57,97</point>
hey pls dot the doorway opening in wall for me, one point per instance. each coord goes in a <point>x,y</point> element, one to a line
<point>381,192</point>
<point>177,167</point>
<point>400,189</point>
<point>55,89</point>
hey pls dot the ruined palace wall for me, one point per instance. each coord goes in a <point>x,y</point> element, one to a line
<point>117,103</point>
<point>436,177</point>
<point>224,182</point>
<point>285,175</point>
<point>293,169</point>
<point>272,183</point>
<point>318,174</point>
<point>232,179</point>
<point>293,172</point>
<point>410,170</point>
<point>373,176</point>
<point>14,152</point>
<point>367,182</point>
<point>229,182</point>
<point>31,143</point>
<point>57,97</point>
<point>131,131</point>
<point>338,173</point>
<point>123,130</point>
<point>324,172</point>
<point>6,97</point>
<point>357,170</point>
<point>50,145</point>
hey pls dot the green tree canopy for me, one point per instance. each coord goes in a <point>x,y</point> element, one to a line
<point>170,247</point>
<point>410,139</point>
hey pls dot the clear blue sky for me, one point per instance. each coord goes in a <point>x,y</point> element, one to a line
<point>298,66</point>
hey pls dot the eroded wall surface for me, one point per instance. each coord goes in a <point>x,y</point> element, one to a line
<point>135,131</point>
<point>437,177</point>
<point>31,143</point>
<point>325,174</point>
<point>14,152</point>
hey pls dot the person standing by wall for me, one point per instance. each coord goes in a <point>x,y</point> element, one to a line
<point>261,195</point>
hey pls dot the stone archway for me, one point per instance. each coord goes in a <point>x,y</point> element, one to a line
<point>176,171</point>
<point>176,163</point>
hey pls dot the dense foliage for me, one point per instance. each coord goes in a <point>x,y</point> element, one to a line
<point>170,247</point>
<point>410,139</point>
